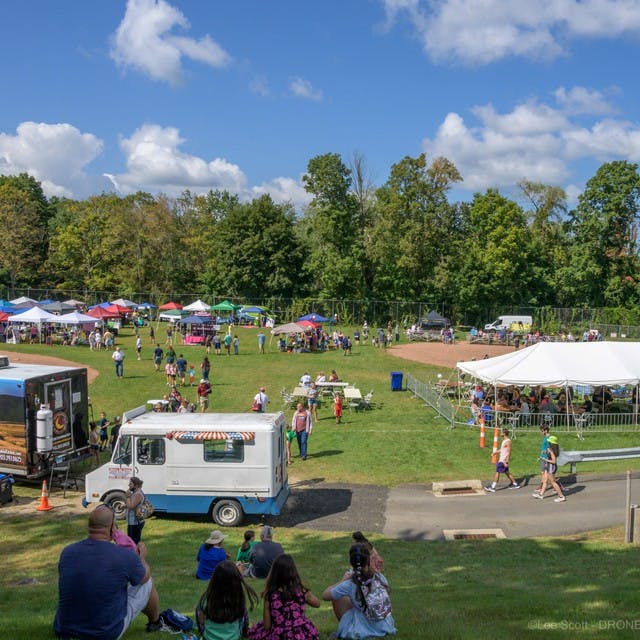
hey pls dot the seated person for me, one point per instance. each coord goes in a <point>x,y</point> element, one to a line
<point>361,600</point>
<point>585,407</point>
<point>547,406</point>
<point>103,587</point>
<point>210,554</point>
<point>602,397</point>
<point>264,553</point>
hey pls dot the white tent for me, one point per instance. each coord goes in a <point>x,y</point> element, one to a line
<point>198,305</point>
<point>24,300</point>
<point>35,315</point>
<point>122,302</point>
<point>75,317</point>
<point>559,364</point>
<point>290,327</point>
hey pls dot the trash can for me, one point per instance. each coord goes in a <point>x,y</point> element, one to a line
<point>6,488</point>
<point>396,381</point>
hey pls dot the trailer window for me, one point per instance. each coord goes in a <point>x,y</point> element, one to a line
<point>150,451</point>
<point>223,450</point>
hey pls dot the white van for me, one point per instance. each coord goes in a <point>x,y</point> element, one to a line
<point>223,464</point>
<point>516,324</point>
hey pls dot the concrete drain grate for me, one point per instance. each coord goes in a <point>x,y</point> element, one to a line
<point>458,488</point>
<point>472,534</point>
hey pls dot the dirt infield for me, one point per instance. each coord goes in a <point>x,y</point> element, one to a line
<point>30,358</point>
<point>447,355</point>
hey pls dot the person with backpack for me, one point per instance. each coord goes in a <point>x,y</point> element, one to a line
<point>361,600</point>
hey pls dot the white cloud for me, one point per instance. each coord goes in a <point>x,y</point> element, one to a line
<point>55,154</point>
<point>143,41</point>
<point>283,190</point>
<point>302,88</point>
<point>260,86</point>
<point>155,163</point>
<point>473,33</point>
<point>581,100</point>
<point>534,141</point>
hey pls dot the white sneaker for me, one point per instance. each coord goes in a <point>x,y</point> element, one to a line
<point>560,499</point>
<point>538,495</point>
<point>491,489</point>
<point>513,486</point>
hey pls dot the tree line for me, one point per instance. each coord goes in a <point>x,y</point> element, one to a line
<point>403,240</point>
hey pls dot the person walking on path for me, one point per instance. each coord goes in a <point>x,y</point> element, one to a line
<point>544,456</point>
<point>118,359</point>
<point>303,427</point>
<point>551,466</point>
<point>503,464</point>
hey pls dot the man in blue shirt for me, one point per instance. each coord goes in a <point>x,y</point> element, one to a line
<point>103,587</point>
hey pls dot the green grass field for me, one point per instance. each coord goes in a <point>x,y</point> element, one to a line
<point>580,587</point>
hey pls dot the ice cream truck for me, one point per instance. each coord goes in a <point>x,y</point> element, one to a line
<point>226,465</point>
<point>43,416</point>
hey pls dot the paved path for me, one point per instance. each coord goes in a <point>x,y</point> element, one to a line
<point>412,512</point>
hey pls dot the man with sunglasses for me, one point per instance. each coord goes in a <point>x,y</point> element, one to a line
<point>103,587</point>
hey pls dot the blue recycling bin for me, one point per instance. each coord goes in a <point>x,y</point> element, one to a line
<point>396,381</point>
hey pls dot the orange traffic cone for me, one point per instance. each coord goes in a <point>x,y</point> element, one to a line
<point>44,499</point>
<point>483,443</point>
<point>494,453</point>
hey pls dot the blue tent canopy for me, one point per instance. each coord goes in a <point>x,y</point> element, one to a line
<point>196,320</point>
<point>313,317</point>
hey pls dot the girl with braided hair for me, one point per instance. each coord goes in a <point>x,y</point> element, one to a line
<point>361,601</point>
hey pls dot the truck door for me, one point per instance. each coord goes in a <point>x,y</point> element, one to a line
<point>58,397</point>
<point>149,464</point>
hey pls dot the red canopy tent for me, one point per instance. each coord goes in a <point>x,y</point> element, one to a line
<point>170,305</point>
<point>308,323</point>
<point>118,309</point>
<point>100,313</point>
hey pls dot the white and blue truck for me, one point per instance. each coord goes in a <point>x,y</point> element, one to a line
<point>226,465</point>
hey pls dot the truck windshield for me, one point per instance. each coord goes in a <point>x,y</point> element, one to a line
<point>122,454</point>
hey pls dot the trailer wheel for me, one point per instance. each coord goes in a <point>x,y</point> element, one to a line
<point>227,513</point>
<point>118,502</point>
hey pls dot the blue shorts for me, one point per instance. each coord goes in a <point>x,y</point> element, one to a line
<point>501,467</point>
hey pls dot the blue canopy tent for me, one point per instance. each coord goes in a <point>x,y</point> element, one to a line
<point>196,320</point>
<point>313,317</point>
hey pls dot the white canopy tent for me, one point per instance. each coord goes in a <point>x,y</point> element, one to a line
<point>35,315</point>
<point>198,305</point>
<point>122,302</point>
<point>75,317</point>
<point>290,327</point>
<point>560,364</point>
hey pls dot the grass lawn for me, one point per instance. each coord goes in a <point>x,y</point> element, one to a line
<point>579,587</point>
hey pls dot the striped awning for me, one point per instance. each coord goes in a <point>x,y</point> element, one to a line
<point>212,435</point>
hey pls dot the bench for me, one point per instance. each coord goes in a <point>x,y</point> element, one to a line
<point>573,457</point>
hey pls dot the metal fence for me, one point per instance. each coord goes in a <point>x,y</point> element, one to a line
<point>451,404</point>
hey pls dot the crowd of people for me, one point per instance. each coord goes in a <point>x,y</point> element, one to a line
<point>114,565</point>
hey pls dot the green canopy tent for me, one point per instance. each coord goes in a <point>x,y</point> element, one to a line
<point>225,305</point>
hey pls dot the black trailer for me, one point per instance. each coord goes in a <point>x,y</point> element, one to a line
<point>43,416</point>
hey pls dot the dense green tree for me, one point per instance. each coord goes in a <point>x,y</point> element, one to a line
<point>256,253</point>
<point>20,237</point>
<point>414,226</point>
<point>494,269</point>
<point>332,227</point>
<point>604,268</point>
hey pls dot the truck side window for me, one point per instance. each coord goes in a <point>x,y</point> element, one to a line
<point>223,450</point>
<point>150,451</point>
<point>122,454</point>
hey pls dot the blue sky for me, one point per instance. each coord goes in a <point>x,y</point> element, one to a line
<point>167,95</point>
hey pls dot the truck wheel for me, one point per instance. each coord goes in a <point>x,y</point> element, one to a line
<point>227,513</point>
<point>118,502</point>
